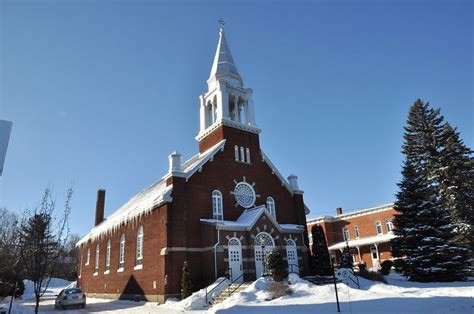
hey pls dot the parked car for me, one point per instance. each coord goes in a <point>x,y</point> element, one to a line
<point>70,297</point>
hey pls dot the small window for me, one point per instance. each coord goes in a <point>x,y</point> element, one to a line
<point>378,227</point>
<point>247,153</point>
<point>242,155</point>
<point>271,206</point>
<point>107,256</point>
<point>389,225</point>
<point>345,233</point>
<point>356,231</point>
<point>88,256</point>
<point>217,211</point>
<point>139,254</point>
<point>96,262</point>
<point>236,152</point>
<point>122,251</point>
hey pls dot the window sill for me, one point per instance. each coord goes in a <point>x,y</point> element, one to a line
<point>138,267</point>
<point>86,264</point>
<point>106,272</point>
<point>120,270</point>
<point>95,274</point>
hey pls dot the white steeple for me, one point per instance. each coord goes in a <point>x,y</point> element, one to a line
<point>226,101</point>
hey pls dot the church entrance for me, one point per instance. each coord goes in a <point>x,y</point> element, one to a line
<point>263,245</point>
<point>235,261</point>
<point>292,256</point>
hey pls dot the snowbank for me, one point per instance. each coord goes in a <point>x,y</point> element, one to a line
<point>197,301</point>
<point>55,285</point>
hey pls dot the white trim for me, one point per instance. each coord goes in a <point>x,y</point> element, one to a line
<point>95,274</point>
<point>353,214</point>
<point>166,250</point>
<point>363,241</point>
<point>138,267</point>
<point>107,272</point>
<point>120,270</point>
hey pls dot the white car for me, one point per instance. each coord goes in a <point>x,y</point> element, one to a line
<point>70,297</point>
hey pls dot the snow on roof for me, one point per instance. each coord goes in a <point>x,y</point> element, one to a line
<point>363,241</point>
<point>154,195</point>
<point>248,218</point>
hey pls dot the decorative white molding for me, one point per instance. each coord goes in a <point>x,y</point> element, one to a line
<point>120,270</point>
<point>357,213</point>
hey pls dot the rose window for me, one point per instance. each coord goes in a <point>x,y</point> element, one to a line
<point>244,194</point>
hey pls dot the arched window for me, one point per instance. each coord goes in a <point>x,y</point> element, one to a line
<point>247,152</point>
<point>217,211</point>
<point>271,206</point>
<point>242,154</point>
<point>236,152</point>
<point>107,256</point>
<point>96,262</point>
<point>122,251</point>
<point>139,255</point>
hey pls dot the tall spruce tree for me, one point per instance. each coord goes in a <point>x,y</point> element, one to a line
<point>426,242</point>
<point>456,181</point>
<point>320,258</point>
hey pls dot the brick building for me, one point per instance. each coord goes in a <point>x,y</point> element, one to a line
<point>222,210</point>
<point>367,232</point>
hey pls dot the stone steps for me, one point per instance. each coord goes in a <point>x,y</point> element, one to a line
<point>229,291</point>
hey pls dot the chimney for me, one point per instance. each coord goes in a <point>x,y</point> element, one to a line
<point>293,180</point>
<point>175,162</point>
<point>339,211</point>
<point>99,206</point>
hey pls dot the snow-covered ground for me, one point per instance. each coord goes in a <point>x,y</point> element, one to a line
<point>398,296</point>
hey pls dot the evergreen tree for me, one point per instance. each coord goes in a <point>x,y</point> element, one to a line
<point>320,258</point>
<point>275,265</point>
<point>346,258</point>
<point>185,282</point>
<point>456,179</point>
<point>426,240</point>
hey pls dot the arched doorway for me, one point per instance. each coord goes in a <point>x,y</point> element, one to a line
<point>292,256</point>
<point>263,245</point>
<point>235,260</point>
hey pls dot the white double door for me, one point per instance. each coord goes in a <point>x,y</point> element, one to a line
<point>235,262</point>
<point>260,256</point>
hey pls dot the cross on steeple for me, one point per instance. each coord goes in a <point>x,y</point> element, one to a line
<point>221,22</point>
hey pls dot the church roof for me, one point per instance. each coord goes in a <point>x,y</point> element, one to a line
<point>156,194</point>
<point>223,61</point>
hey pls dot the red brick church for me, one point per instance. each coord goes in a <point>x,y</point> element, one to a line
<point>222,210</point>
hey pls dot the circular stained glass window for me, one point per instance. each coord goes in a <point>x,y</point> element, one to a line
<point>244,194</point>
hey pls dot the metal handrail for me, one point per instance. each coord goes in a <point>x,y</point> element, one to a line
<point>228,290</point>
<point>210,291</point>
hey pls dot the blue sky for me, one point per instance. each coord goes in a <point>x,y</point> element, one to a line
<point>100,92</point>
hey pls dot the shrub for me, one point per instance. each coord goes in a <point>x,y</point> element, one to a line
<point>386,266</point>
<point>185,282</point>
<point>276,266</point>
<point>372,275</point>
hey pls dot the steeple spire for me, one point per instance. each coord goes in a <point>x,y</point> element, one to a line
<point>227,102</point>
<point>223,65</point>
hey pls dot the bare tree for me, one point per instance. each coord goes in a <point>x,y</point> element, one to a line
<point>10,276</point>
<point>43,236</point>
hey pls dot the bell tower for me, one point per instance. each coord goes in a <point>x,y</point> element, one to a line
<point>227,102</point>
